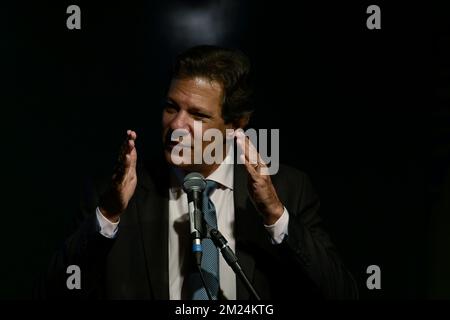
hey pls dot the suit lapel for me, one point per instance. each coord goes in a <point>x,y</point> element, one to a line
<point>245,217</point>
<point>152,205</point>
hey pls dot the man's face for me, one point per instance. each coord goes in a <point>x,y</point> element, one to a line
<point>188,100</point>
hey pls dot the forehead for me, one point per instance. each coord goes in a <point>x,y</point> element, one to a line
<point>195,91</point>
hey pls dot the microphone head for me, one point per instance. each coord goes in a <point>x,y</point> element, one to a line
<point>194,181</point>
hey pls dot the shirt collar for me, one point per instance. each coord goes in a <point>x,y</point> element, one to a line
<point>223,174</point>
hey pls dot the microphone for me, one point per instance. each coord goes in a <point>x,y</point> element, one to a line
<point>222,244</point>
<point>229,256</point>
<point>194,184</point>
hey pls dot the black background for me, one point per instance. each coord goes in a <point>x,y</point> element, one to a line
<point>363,112</point>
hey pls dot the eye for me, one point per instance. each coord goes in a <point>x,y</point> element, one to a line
<point>170,108</point>
<point>197,115</point>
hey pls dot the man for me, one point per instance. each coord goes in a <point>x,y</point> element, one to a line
<point>133,242</point>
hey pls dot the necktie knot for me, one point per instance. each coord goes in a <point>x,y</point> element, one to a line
<point>210,187</point>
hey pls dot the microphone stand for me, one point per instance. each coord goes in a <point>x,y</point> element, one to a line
<point>222,244</point>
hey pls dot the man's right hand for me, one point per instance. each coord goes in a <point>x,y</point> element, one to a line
<point>114,201</point>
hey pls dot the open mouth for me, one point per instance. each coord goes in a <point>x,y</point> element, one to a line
<point>171,144</point>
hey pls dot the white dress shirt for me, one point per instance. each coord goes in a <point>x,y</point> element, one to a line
<point>179,238</point>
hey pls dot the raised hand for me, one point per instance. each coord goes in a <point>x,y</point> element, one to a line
<point>260,186</point>
<point>115,201</point>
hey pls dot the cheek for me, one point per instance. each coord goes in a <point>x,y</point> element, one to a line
<point>220,139</point>
<point>166,119</point>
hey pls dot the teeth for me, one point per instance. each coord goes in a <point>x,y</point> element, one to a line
<point>179,144</point>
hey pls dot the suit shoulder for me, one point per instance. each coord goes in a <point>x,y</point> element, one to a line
<point>290,176</point>
<point>294,188</point>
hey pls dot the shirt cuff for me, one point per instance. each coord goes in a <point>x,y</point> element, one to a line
<point>279,229</point>
<point>108,229</point>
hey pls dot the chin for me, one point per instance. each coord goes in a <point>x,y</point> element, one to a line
<point>188,167</point>
<point>182,165</point>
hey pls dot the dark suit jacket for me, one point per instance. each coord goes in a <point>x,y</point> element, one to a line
<point>134,265</point>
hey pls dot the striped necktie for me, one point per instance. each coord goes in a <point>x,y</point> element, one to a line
<point>210,259</point>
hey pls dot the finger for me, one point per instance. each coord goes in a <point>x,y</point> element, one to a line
<point>128,144</point>
<point>132,135</point>
<point>133,159</point>
<point>247,147</point>
<point>128,162</point>
<point>250,168</point>
<point>254,156</point>
<point>241,142</point>
<point>249,150</point>
<point>126,149</point>
<point>131,155</point>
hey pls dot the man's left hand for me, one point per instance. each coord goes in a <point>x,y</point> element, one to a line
<point>260,186</point>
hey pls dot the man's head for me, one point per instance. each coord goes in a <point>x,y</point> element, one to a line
<point>209,85</point>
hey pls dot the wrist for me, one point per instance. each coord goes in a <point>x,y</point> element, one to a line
<point>273,214</point>
<point>114,218</point>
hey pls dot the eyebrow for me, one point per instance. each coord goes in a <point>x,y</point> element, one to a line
<point>190,108</point>
<point>171,101</point>
<point>198,109</point>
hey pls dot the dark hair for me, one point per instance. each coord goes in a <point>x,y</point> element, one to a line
<point>229,67</point>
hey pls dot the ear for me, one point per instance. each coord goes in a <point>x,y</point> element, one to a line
<point>242,122</point>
